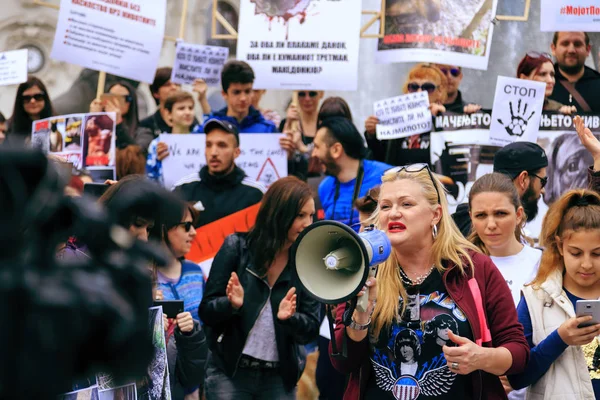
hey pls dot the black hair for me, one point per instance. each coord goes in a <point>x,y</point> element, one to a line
<point>2,118</point>
<point>342,130</point>
<point>20,122</point>
<point>162,76</point>
<point>132,118</point>
<point>236,72</point>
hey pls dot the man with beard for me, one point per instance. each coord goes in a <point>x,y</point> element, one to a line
<point>576,84</point>
<point>340,148</point>
<point>525,163</point>
<point>221,188</point>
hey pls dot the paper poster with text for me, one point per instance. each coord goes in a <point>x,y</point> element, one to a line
<point>13,67</point>
<point>570,15</point>
<point>301,44</point>
<point>123,38</point>
<point>86,140</point>
<point>194,61</point>
<point>517,110</point>
<point>261,157</point>
<point>403,116</point>
<point>455,32</point>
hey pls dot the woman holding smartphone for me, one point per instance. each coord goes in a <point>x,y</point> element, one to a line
<point>562,345</point>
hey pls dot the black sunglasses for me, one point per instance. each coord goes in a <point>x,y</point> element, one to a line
<point>311,94</point>
<point>187,225</point>
<point>413,168</point>
<point>455,72</point>
<point>426,87</point>
<point>36,97</point>
<point>543,181</point>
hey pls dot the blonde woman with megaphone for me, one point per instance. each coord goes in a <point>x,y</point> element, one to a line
<point>436,301</point>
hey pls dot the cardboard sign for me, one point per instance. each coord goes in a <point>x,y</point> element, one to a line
<point>13,67</point>
<point>446,32</point>
<point>403,116</point>
<point>301,44</point>
<point>122,38</point>
<point>517,110</point>
<point>194,61</point>
<point>570,16</point>
<point>261,157</point>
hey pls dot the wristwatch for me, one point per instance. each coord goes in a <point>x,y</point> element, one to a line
<point>359,327</point>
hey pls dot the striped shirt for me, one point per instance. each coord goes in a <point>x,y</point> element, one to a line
<point>189,287</point>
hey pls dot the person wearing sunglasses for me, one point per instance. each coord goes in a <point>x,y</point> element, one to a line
<point>31,104</point>
<point>413,149</point>
<point>432,275</point>
<point>305,115</point>
<point>526,165</point>
<point>454,102</point>
<point>539,67</point>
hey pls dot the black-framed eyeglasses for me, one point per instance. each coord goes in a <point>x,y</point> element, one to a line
<point>455,72</point>
<point>426,87</point>
<point>413,168</point>
<point>537,54</point>
<point>36,97</point>
<point>186,225</point>
<point>312,94</point>
<point>543,180</point>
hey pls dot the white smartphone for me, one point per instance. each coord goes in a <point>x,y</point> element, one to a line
<point>588,307</point>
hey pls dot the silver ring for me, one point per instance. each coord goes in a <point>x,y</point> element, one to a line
<point>454,365</point>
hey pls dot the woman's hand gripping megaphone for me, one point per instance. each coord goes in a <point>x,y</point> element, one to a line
<point>363,315</point>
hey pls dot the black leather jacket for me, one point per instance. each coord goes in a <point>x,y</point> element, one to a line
<point>228,329</point>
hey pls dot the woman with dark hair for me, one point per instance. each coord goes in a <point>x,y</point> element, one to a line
<point>31,103</point>
<point>257,320</point>
<point>407,350</point>
<point>539,67</point>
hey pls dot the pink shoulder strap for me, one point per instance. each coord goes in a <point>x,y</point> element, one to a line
<point>486,336</point>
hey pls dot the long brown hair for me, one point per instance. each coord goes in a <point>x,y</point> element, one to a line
<point>279,208</point>
<point>576,210</point>
<point>496,183</point>
<point>20,122</point>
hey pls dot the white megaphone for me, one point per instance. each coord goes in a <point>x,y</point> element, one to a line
<point>332,262</point>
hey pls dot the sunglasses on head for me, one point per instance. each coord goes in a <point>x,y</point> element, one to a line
<point>455,72</point>
<point>536,54</point>
<point>36,97</point>
<point>371,196</point>
<point>426,87</point>
<point>414,168</point>
<point>186,225</point>
<point>311,94</point>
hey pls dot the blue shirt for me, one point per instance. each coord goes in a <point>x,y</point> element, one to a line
<point>342,209</point>
<point>189,287</point>
<point>254,122</point>
<point>545,353</point>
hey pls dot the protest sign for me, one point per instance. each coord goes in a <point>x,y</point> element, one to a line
<point>210,237</point>
<point>90,393</point>
<point>517,110</point>
<point>301,44</point>
<point>461,149</point>
<point>123,38</point>
<point>456,32</point>
<point>193,61</point>
<point>156,384</point>
<point>86,140</point>
<point>570,15</point>
<point>261,157</point>
<point>13,67</point>
<point>403,116</point>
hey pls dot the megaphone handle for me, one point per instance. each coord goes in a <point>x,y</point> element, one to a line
<point>363,301</point>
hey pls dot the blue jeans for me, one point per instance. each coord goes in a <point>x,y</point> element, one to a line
<point>247,384</point>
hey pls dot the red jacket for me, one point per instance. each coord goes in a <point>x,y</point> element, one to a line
<point>501,317</point>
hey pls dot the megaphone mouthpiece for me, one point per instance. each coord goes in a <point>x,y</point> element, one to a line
<point>342,258</point>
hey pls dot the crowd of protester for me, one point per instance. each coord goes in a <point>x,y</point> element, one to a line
<point>467,305</point>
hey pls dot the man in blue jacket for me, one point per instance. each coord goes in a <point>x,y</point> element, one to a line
<point>340,148</point>
<point>237,79</point>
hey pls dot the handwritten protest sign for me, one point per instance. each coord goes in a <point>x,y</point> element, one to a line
<point>123,38</point>
<point>570,15</point>
<point>403,116</point>
<point>456,32</point>
<point>301,44</point>
<point>86,140</point>
<point>13,67</point>
<point>261,157</point>
<point>517,110</point>
<point>194,61</point>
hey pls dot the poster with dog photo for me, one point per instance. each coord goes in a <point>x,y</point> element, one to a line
<point>457,32</point>
<point>99,140</point>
